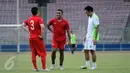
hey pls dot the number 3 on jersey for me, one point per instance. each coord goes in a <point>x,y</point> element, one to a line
<point>32,24</point>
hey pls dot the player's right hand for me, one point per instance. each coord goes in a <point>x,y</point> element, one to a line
<point>69,43</point>
<point>94,41</point>
<point>41,37</point>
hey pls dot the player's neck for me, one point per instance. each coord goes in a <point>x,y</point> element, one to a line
<point>91,14</point>
<point>59,19</point>
<point>35,15</point>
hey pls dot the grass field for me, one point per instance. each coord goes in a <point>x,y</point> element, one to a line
<point>107,62</point>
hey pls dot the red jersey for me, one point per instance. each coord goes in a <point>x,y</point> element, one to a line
<point>59,29</point>
<point>34,27</point>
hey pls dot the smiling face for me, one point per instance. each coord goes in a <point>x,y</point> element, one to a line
<point>59,14</point>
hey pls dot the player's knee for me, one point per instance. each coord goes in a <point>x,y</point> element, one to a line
<point>93,52</point>
<point>86,51</point>
<point>61,52</point>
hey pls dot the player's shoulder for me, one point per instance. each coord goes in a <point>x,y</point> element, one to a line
<point>65,20</point>
<point>95,15</point>
<point>38,17</point>
<point>29,18</point>
<point>53,19</point>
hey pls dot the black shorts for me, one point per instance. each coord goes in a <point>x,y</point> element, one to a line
<point>73,46</point>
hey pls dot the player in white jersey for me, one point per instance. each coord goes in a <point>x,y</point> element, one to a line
<point>92,37</point>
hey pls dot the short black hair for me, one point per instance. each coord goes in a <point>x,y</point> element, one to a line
<point>60,10</point>
<point>34,10</point>
<point>89,8</point>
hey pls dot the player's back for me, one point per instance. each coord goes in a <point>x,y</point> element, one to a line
<point>34,27</point>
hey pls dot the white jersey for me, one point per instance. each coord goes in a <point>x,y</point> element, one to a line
<point>92,22</point>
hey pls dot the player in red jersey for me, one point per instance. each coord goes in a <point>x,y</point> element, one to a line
<point>35,29</point>
<point>59,28</point>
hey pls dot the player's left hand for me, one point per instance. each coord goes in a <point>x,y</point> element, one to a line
<point>41,37</point>
<point>94,42</point>
<point>69,42</point>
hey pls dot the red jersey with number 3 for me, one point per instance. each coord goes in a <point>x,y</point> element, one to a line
<point>34,27</point>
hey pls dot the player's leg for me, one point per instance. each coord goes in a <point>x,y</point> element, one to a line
<point>86,52</point>
<point>73,48</point>
<point>93,59</point>
<point>42,50</point>
<point>34,60</point>
<point>61,58</point>
<point>53,54</point>
<point>61,50</point>
<point>43,60</point>
<point>53,57</point>
<point>92,50</point>
<point>87,58</point>
<point>34,54</point>
<point>40,46</point>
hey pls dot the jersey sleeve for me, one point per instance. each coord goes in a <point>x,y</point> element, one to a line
<point>26,22</point>
<point>41,21</point>
<point>50,22</point>
<point>67,27</point>
<point>96,21</point>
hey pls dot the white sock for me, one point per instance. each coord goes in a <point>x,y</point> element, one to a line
<point>53,65</point>
<point>87,63</point>
<point>61,66</point>
<point>94,64</point>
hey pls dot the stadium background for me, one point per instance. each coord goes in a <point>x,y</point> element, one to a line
<point>113,48</point>
<point>114,22</point>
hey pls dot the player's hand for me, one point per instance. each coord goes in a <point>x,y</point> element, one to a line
<point>94,42</point>
<point>29,33</point>
<point>69,42</point>
<point>41,37</point>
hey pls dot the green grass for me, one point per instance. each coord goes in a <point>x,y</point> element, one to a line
<point>107,62</point>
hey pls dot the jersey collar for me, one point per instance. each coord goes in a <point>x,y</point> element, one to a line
<point>60,20</point>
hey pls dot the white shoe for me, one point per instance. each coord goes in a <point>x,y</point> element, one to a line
<point>46,70</point>
<point>52,67</point>
<point>83,67</point>
<point>92,68</point>
<point>61,68</point>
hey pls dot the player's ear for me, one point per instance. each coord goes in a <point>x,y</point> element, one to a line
<point>38,13</point>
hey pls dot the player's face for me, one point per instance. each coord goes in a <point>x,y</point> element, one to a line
<point>88,13</point>
<point>59,14</point>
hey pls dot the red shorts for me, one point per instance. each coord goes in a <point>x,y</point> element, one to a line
<point>37,47</point>
<point>58,45</point>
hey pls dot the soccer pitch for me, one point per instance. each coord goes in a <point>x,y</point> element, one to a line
<point>107,62</point>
